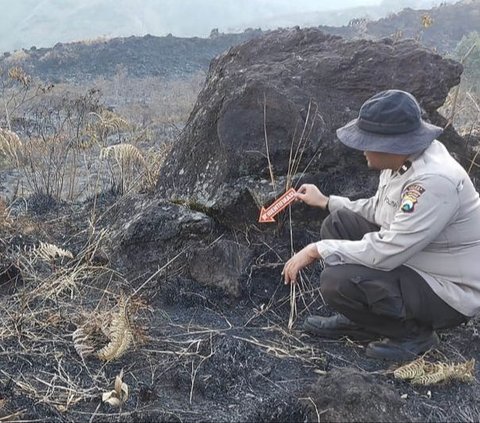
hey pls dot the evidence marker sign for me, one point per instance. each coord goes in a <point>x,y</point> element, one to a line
<point>267,215</point>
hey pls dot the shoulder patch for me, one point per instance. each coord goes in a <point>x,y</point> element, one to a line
<point>410,197</point>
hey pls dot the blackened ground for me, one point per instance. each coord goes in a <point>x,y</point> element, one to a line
<point>209,357</point>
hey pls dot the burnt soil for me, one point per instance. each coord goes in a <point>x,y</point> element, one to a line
<point>198,354</point>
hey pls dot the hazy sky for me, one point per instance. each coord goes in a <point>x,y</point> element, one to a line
<point>43,23</point>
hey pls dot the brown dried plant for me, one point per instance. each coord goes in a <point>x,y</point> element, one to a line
<point>107,123</point>
<point>49,252</point>
<point>453,97</point>
<point>298,146</point>
<point>119,395</point>
<point>411,370</point>
<point>115,327</point>
<point>16,73</point>
<point>122,153</point>
<point>82,342</point>
<point>119,332</point>
<point>109,334</point>
<point>153,163</point>
<point>421,372</point>
<point>427,20</point>
<point>129,165</point>
<point>90,336</point>
<point>11,146</point>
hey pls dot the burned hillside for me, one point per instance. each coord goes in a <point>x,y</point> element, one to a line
<point>167,303</point>
<point>440,28</point>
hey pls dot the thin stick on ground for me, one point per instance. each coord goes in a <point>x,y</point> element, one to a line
<point>314,405</point>
<point>270,167</point>
<point>293,166</point>
<point>457,89</point>
<point>293,305</point>
<point>302,143</point>
<point>195,370</point>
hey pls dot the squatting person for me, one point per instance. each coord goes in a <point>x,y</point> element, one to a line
<point>405,262</point>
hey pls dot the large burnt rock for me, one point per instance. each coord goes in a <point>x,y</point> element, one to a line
<point>266,119</point>
<point>147,233</point>
<point>269,111</point>
<point>150,235</point>
<point>221,265</point>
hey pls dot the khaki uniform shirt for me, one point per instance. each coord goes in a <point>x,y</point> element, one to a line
<point>430,221</point>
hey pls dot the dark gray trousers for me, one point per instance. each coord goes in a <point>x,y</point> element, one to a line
<point>396,304</point>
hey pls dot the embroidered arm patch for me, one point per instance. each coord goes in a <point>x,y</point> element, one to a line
<point>410,197</point>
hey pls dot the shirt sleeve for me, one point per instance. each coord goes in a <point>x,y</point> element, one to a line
<point>428,205</point>
<point>365,207</point>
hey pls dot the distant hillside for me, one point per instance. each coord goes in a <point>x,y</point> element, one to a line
<point>175,57</point>
<point>341,15</point>
<point>137,56</point>
<point>449,24</point>
<point>43,23</point>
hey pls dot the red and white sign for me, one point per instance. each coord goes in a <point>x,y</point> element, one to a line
<point>268,214</point>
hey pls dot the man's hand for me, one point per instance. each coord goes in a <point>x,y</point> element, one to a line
<point>311,195</point>
<point>300,260</point>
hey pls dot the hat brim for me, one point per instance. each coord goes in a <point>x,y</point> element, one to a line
<point>408,143</point>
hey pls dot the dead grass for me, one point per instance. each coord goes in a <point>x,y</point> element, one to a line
<point>69,291</point>
<point>153,102</point>
<point>79,321</point>
<point>462,108</point>
<point>68,127</point>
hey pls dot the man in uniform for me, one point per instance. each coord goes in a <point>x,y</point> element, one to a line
<point>405,262</point>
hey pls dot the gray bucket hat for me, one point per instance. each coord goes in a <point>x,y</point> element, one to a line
<point>389,122</point>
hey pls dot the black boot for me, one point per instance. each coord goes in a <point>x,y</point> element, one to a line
<point>403,349</point>
<point>336,327</point>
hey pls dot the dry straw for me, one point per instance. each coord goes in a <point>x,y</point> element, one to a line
<point>119,395</point>
<point>119,333</point>
<point>421,372</point>
<point>10,146</point>
<point>49,252</point>
<point>116,328</point>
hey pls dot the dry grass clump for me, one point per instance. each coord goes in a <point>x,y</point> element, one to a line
<point>154,160</point>
<point>49,252</point>
<point>10,146</point>
<point>108,123</point>
<point>119,395</point>
<point>67,145</point>
<point>93,41</point>
<point>462,107</point>
<point>421,372</point>
<point>303,290</point>
<point>157,103</point>
<point>116,328</point>
<point>61,290</point>
<point>53,166</point>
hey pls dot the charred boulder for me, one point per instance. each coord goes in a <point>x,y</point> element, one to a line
<point>266,120</point>
<point>267,116</point>
<point>149,232</point>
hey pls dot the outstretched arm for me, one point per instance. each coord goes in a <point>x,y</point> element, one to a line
<point>428,205</point>
<point>311,195</point>
<point>300,260</point>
